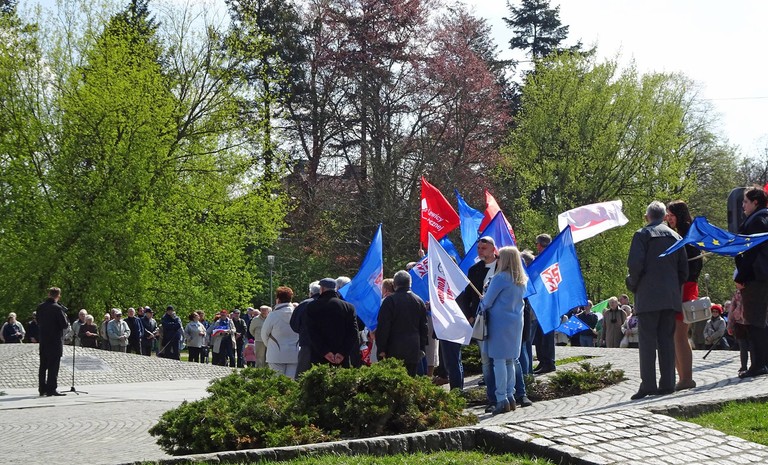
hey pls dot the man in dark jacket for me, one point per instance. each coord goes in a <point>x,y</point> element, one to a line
<point>52,321</point>
<point>657,283</point>
<point>170,325</point>
<point>402,325</point>
<point>149,331</point>
<point>332,325</point>
<point>300,327</point>
<point>137,331</point>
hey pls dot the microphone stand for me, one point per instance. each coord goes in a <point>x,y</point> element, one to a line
<point>74,350</point>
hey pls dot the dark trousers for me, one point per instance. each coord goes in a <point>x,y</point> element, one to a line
<point>451,353</point>
<point>194,354</point>
<point>170,348</point>
<point>545,347</point>
<point>134,346</point>
<point>656,331</point>
<point>146,346</point>
<point>239,354</point>
<point>305,357</point>
<point>49,372</point>
<point>758,346</point>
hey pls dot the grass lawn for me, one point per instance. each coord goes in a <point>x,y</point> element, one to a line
<point>438,458</point>
<point>746,420</point>
<point>567,360</point>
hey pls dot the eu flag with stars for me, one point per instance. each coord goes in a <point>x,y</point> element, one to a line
<point>572,326</point>
<point>707,237</point>
<point>555,283</point>
<point>364,291</point>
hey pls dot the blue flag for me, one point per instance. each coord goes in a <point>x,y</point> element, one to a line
<point>498,230</point>
<point>572,326</point>
<point>556,284</point>
<point>364,291</point>
<point>450,248</point>
<point>420,279</point>
<point>470,222</point>
<point>704,236</point>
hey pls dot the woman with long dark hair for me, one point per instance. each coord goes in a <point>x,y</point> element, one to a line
<point>752,280</point>
<point>679,219</point>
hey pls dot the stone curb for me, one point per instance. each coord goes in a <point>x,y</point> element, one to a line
<point>453,439</point>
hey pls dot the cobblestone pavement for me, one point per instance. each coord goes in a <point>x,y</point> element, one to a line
<point>128,393</point>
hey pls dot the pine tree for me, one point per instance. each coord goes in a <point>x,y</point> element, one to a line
<point>537,28</point>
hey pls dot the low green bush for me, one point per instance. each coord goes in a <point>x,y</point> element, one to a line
<point>470,359</point>
<point>257,408</point>
<point>565,383</point>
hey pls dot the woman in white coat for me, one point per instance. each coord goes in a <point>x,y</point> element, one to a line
<point>282,342</point>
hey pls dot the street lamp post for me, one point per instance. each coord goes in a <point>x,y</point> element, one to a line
<point>271,261</point>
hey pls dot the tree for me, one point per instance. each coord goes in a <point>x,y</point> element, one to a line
<point>538,29</point>
<point>589,132</point>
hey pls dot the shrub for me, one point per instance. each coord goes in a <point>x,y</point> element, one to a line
<point>470,358</point>
<point>376,400</point>
<point>249,409</point>
<point>565,383</point>
<point>257,408</point>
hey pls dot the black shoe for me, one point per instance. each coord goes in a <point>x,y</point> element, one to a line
<point>543,370</point>
<point>640,394</point>
<point>490,408</point>
<point>55,394</point>
<point>524,401</point>
<point>754,372</point>
<point>502,407</point>
<point>664,392</point>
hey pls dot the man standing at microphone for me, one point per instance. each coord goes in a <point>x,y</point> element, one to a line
<point>52,320</point>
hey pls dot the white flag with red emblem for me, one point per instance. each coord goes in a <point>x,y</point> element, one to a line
<point>590,220</point>
<point>446,282</point>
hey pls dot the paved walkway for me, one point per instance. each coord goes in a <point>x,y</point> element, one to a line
<point>128,393</point>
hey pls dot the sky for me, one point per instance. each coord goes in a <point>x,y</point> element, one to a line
<point>717,44</point>
<point>720,45</point>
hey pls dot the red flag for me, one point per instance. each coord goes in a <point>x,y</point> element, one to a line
<point>491,209</point>
<point>437,215</point>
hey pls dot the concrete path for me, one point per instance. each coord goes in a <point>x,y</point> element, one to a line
<point>128,393</point>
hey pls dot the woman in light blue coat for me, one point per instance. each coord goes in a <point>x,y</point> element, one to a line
<point>503,304</point>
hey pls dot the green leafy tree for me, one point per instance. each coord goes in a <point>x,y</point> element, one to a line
<point>589,132</point>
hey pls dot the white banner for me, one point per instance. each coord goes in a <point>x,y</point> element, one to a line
<point>446,282</point>
<point>590,220</point>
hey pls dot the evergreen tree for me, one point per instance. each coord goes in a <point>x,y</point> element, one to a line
<point>537,28</point>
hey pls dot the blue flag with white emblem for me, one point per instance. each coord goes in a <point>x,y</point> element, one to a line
<point>364,291</point>
<point>499,231</point>
<point>709,238</point>
<point>555,283</point>
<point>572,326</point>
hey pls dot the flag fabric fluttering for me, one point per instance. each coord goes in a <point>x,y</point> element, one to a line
<point>471,220</point>
<point>446,282</point>
<point>497,229</point>
<point>420,278</point>
<point>590,220</point>
<point>705,236</point>
<point>556,284</point>
<point>437,215</point>
<point>491,209</point>
<point>600,307</point>
<point>364,291</point>
<point>573,326</point>
<point>450,248</point>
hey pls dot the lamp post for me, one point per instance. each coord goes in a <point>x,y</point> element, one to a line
<point>706,283</point>
<point>271,261</point>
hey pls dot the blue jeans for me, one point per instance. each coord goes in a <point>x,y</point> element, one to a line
<point>488,376</point>
<point>519,381</point>
<point>504,369</point>
<point>451,352</point>
<point>586,340</point>
<point>526,358</point>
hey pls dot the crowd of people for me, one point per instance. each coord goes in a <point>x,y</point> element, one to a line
<point>323,328</point>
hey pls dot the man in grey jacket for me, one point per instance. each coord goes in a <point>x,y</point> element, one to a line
<point>657,285</point>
